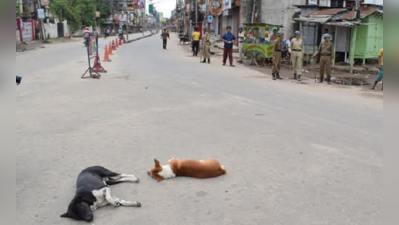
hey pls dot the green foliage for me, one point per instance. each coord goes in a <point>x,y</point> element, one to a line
<point>79,13</point>
<point>17,9</point>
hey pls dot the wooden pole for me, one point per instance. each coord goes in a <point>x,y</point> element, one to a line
<point>335,44</point>
<point>253,12</point>
<point>352,49</point>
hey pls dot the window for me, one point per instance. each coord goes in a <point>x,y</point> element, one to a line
<point>337,3</point>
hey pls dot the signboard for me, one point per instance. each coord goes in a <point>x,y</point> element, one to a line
<point>40,14</point>
<point>45,3</point>
<point>150,7</point>
<point>227,4</point>
<point>216,7</point>
<point>27,31</point>
<point>210,19</point>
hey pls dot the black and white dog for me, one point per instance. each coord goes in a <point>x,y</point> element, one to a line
<point>93,192</point>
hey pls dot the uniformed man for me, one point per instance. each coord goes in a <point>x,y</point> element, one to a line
<point>297,55</point>
<point>278,46</point>
<point>241,39</point>
<point>206,44</point>
<point>327,56</point>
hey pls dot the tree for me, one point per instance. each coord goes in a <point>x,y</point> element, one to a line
<point>79,13</point>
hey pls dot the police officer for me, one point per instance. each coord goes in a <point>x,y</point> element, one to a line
<point>278,46</point>
<point>327,55</point>
<point>297,55</point>
<point>241,39</point>
<point>206,44</point>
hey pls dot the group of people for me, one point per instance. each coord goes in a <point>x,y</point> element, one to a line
<point>326,52</point>
<point>327,56</point>
<point>227,38</point>
<point>206,44</point>
<point>296,49</point>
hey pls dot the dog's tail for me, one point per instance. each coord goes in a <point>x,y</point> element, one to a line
<point>223,170</point>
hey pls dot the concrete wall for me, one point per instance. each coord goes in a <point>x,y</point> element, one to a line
<point>280,13</point>
<point>51,29</point>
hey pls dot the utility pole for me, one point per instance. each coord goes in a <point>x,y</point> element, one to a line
<point>357,9</point>
<point>43,30</point>
<point>196,13</point>
<point>21,7</point>
<point>253,12</point>
<point>127,21</point>
<point>95,16</point>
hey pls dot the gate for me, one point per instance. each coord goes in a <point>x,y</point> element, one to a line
<point>60,29</point>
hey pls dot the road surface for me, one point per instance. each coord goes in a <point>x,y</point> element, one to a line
<point>296,154</point>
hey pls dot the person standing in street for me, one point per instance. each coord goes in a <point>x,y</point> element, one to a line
<point>206,44</point>
<point>108,32</point>
<point>120,32</point>
<point>327,56</point>
<point>241,37</point>
<point>196,41</point>
<point>297,55</point>
<point>87,37</point>
<point>165,36</point>
<point>228,39</point>
<point>277,48</point>
<point>380,75</point>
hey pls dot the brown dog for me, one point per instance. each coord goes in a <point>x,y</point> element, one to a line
<point>187,168</point>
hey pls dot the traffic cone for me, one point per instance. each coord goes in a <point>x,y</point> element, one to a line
<point>113,46</point>
<point>110,49</point>
<point>120,42</point>
<point>106,55</point>
<point>97,65</point>
<point>124,40</point>
<point>117,45</point>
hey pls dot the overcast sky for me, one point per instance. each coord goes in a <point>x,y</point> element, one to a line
<point>165,6</point>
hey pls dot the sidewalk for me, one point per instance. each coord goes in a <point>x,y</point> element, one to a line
<point>37,44</point>
<point>28,46</point>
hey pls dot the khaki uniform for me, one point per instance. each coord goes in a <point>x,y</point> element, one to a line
<point>297,55</point>
<point>206,45</point>
<point>326,56</point>
<point>241,38</point>
<point>278,46</point>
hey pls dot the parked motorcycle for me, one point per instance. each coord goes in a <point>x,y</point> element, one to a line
<point>19,80</point>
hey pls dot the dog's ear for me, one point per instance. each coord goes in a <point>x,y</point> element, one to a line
<point>66,215</point>
<point>159,179</point>
<point>157,164</point>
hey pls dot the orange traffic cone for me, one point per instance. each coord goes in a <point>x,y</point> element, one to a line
<point>110,49</point>
<point>117,45</point>
<point>106,55</point>
<point>124,40</point>
<point>113,46</point>
<point>97,65</point>
<point>120,42</point>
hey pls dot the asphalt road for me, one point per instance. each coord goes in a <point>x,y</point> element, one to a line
<point>296,154</point>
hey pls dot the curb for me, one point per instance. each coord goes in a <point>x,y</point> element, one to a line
<point>137,39</point>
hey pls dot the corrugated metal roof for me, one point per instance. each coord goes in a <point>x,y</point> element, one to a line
<point>351,15</point>
<point>328,12</point>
